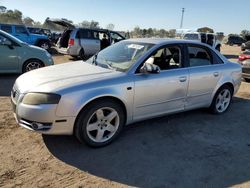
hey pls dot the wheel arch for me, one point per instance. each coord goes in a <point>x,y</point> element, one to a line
<point>30,59</point>
<point>99,98</point>
<point>222,85</point>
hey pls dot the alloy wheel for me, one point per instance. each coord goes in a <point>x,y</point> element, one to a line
<point>223,100</point>
<point>33,65</point>
<point>103,124</point>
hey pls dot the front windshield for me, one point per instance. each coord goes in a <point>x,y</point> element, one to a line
<point>120,56</point>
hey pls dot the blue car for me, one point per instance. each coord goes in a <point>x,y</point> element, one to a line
<point>23,34</point>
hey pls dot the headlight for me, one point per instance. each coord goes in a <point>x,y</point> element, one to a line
<point>41,98</point>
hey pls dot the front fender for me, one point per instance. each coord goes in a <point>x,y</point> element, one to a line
<point>72,103</point>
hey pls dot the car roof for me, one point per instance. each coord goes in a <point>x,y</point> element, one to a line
<point>164,41</point>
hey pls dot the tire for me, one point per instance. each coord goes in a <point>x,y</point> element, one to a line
<point>32,64</point>
<point>222,100</point>
<point>44,44</point>
<point>99,123</point>
<point>82,54</point>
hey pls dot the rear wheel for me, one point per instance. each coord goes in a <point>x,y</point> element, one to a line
<point>82,54</point>
<point>222,100</point>
<point>100,123</point>
<point>32,64</point>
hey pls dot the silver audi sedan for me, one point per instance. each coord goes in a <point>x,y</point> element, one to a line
<point>130,81</point>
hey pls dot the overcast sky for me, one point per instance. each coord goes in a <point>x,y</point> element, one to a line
<point>229,16</point>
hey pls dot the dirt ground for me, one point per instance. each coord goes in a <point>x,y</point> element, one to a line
<point>191,149</point>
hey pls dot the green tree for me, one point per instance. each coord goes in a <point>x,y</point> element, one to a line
<point>10,16</point>
<point>110,26</point>
<point>205,30</point>
<point>2,9</point>
<point>86,24</point>
<point>245,34</point>
<point>28,21</point>
<point>172,33</point>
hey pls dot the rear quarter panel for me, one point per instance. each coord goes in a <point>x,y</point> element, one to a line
<point>231,73</point>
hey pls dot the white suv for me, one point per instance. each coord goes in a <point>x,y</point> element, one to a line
<point>207,38</point>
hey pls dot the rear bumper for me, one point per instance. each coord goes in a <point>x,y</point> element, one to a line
<point>72,50</point>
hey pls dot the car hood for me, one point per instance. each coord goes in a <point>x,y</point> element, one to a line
<point>57,77</point>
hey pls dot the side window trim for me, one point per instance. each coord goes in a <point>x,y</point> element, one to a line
<point>183,59</point>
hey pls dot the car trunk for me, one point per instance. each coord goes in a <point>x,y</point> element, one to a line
<point>63,41</point>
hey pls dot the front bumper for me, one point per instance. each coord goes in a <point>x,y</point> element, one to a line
<point>40,118</point>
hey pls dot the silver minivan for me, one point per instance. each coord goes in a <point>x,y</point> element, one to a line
<point>83,42</point>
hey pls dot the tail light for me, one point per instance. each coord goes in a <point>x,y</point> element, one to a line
<point>243,57</point>
<point>71,42</point>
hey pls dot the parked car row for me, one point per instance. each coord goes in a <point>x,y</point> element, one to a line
<point>83,42</point>
<point>244,60</point>
<point>234,40</point>
<point>19,57</point>
<point>245,46</point>
<point>22,33</point>
<point>52,35</point>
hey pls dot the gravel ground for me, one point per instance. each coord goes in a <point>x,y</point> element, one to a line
<point>191,149</point>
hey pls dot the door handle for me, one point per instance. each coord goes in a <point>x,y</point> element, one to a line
<point>216,74</point>
<point>183,79</point>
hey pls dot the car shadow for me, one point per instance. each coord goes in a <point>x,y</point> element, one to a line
<point>190,149</point>
<point>6,83</point>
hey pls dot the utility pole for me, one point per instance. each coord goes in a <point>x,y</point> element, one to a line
<point>182,17</point>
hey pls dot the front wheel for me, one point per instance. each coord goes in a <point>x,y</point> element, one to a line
<point>32,64</point>
<point>82,54</point>
<point>100,123</point>
<point>222,100</point>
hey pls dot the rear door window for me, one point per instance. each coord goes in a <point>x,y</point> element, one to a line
<point>6,28</point>
<point>21,30</point>
<point>199,56</point>
<point>87,34</point>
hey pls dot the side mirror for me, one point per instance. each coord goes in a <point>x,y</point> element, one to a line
<point>150,68</point>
